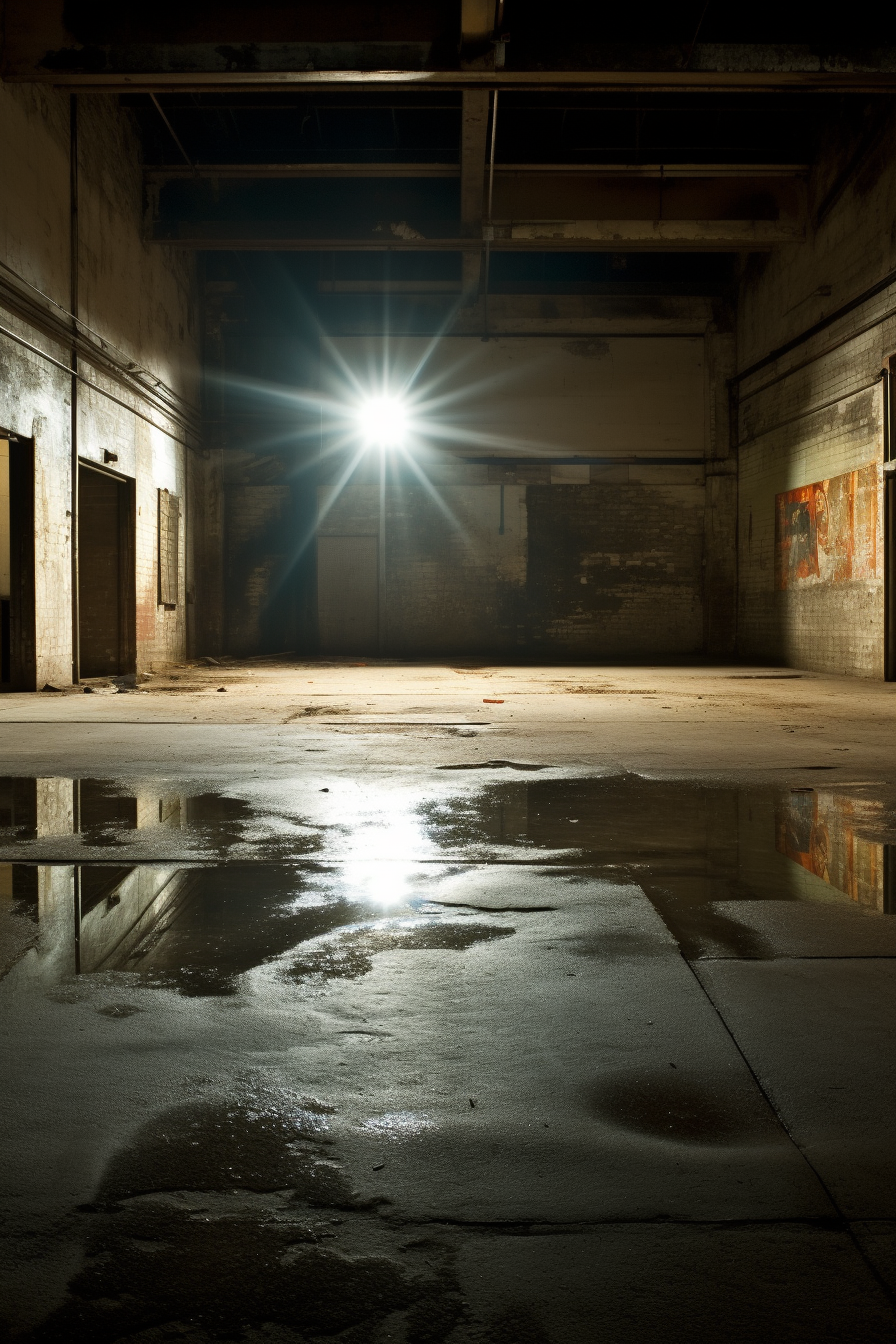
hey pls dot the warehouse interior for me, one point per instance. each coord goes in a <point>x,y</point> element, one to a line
<point>447,614</point>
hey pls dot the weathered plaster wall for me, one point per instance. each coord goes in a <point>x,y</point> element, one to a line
<point>138,299</point>
<point>815,412</point>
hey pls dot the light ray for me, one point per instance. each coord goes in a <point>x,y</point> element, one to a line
<point>439,500</point>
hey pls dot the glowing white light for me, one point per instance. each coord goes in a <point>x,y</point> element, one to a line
<point>383,421</point>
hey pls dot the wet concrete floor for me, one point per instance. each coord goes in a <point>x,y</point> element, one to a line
<point>503,1055</point>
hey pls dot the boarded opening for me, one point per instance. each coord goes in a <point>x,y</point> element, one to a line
<point>106,592</point>
<point>169,546</point>
<point>348,594</point>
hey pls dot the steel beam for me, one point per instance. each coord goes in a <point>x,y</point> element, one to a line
<point>819,80</point>
<point>744,235</point>
<point>238,172</point>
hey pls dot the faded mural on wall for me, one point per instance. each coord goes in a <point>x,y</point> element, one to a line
<point>828,532</point>
<point>817,830</point>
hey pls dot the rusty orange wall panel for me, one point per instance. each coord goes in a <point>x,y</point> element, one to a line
<point>827,532</point>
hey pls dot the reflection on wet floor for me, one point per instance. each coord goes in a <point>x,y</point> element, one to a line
<point>103,812</point>
<point>360,1063</point>
<point>732,872</point>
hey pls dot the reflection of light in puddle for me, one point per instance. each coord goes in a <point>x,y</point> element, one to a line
<point>383,883</point>
<point>372,869</point>
<point>399,1124</point>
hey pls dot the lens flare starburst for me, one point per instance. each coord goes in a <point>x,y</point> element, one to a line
<point>384,422</point>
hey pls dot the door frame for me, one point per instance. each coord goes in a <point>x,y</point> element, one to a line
<point>127,569</point>
<point>22,605</point>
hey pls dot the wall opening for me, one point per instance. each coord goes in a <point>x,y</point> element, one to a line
<point>17,622</point>
<point>348,594</point>
<point>106,581</point>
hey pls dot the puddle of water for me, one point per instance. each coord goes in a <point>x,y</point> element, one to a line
<point>228,1217</point>
<point>722,866</point>
<point>349,954</point>
<point>198,930</point>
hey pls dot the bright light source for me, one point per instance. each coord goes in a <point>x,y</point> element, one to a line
<point>383,421</point>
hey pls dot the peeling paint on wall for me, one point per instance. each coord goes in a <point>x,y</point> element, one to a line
<point>827,532</point>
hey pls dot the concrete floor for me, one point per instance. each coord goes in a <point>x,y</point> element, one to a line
<point>472,1004</point>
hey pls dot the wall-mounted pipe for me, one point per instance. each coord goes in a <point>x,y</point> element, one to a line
<point>74,268</point>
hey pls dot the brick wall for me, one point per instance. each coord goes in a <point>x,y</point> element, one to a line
<point>616,569</point>
<point>545,557</point>
<point>587,571</point>
<point>815,412</point>
<point>259,599</point>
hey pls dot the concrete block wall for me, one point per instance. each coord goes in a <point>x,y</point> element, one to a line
<point>259,606</point>
<point>593,560</point>
<point>587,571</point>
<point>455,581</point>
<point>141,300</point>
<point>616,569</point>
<point>815,412</point>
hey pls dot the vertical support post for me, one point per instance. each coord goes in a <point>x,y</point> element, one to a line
<point>489,228</point>
<point>473,147</point>
<point>74,267</point>
<point>381,559</point>
<point>721,526</point>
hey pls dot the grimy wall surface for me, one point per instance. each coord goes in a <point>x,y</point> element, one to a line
<point>553,500</point>
<point>139,300</point>
<point>810,425</point>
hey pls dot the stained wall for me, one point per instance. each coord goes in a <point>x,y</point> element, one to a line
<point>139,301</point>
<point>810,423</point>
<point>556,498</point>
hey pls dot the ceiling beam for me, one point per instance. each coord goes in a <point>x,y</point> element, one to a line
<point>614,235</point>
<point>818,76</point>
<point>739,234</point>
<point>471,187</point>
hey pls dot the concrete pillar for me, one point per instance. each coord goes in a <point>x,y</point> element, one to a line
<point>720,536</point>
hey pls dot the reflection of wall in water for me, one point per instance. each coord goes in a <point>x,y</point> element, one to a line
<point>121,914</point>
<point>816,829</point>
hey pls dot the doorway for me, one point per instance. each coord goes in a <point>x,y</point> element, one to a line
<point>18,663</point>
<point>348,594</point>
<point>106,579</point>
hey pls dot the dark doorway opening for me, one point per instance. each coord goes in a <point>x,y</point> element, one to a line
<point>106,578</point>
<point>18,665</point>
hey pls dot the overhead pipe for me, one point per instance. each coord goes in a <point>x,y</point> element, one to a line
<point>74,268</point>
